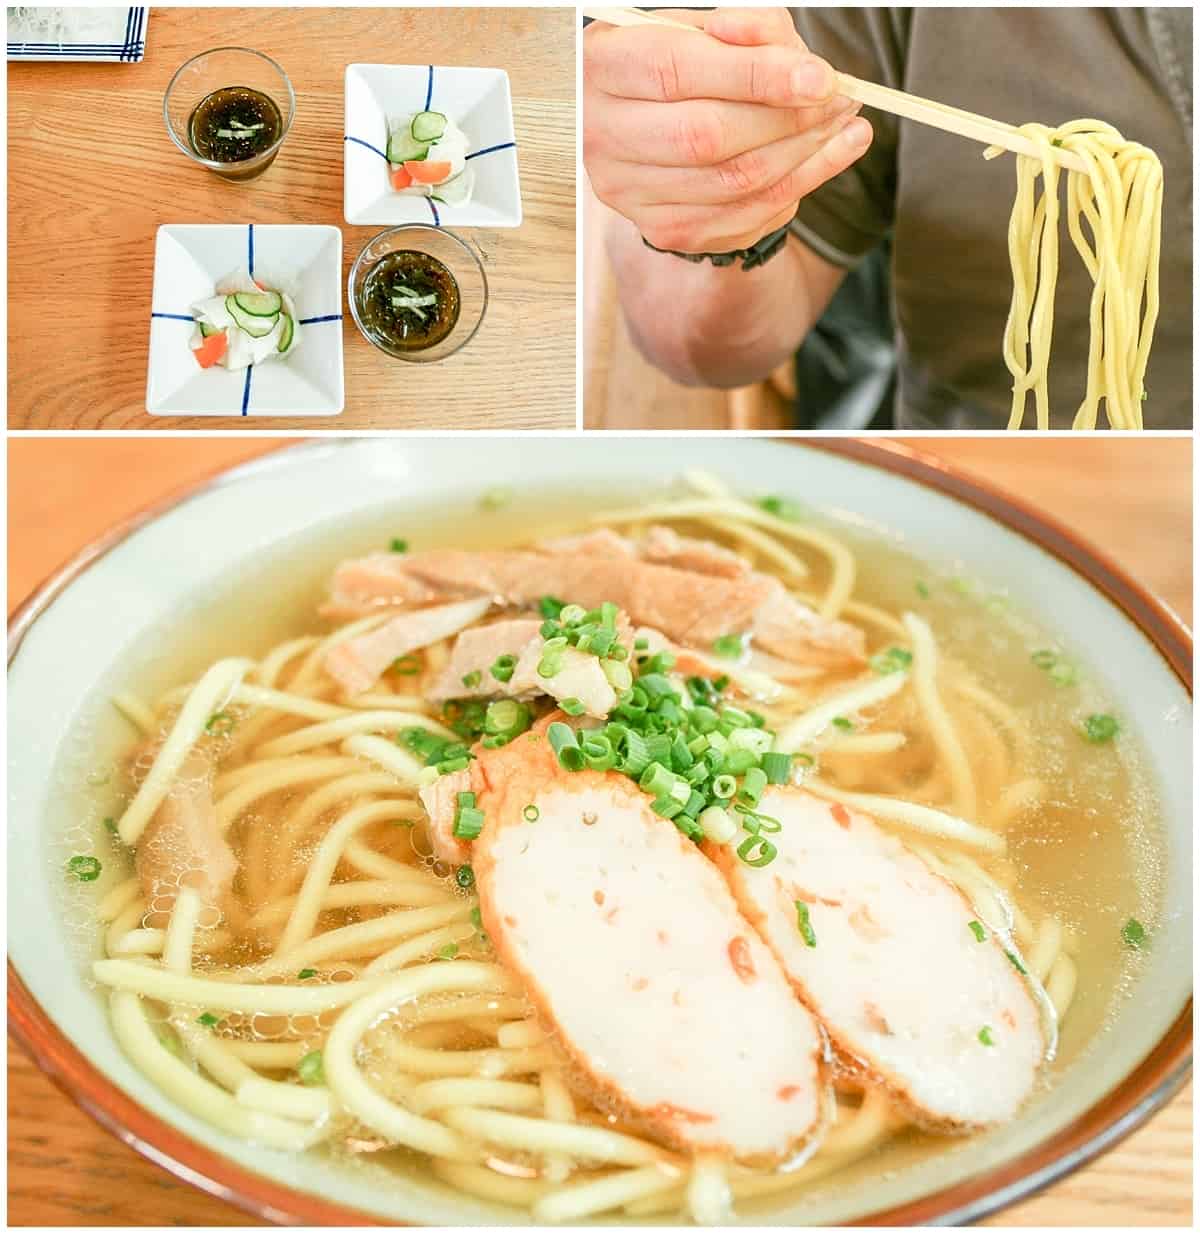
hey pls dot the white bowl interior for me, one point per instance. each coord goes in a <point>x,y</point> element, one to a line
<point>304,261</point>
<point>477,100</point>
<point>67,656</point>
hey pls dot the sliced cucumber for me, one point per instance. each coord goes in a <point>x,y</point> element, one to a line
<point>208,331</point>
<point>404,148</point>
<point>259,303</point>
<point>457,190</point>
<point>255,327</point>
<point>285,335</point>
<point>428,125</point>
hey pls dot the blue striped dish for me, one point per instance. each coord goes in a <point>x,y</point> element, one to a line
<point>118,37</point>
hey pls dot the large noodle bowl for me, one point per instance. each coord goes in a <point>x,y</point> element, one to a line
<point>289,955</point>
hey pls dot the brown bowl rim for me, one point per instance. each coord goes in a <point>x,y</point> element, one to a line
<point>1115,1115</point>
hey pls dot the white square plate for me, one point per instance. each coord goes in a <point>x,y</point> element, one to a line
<point>306,262</point>
<point>477,100</point>
<point>108,36</point>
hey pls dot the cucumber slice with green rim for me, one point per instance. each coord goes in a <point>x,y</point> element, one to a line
<point>259,303</point>
<point>208,331</point>
<point>255,327</point>
<point>285,335</point>
<point>404,148</point>
<point>428,125</point>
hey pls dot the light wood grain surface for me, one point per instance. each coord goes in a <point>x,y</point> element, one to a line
<point>92,174</point>
<point>1132,496</point>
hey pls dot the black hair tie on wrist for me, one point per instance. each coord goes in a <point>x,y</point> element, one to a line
<point>756,255</point>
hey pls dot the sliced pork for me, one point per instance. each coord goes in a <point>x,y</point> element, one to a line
<point>687,606</point>
<point>883,951</point>
<point>660,544</point>
<point>475,651</point>
<point>357,663</point>
<point>628,941</point>
<point>440,800</point>
<point>184,845</point>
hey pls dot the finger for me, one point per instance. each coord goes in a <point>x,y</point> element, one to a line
<point>690,228</point>
<point>745,176</point>
<point>752,27</point>
<point>665,66</point>
<point>695,132</point>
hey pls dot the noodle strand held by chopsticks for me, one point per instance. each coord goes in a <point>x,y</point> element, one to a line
<point>1120,196</point>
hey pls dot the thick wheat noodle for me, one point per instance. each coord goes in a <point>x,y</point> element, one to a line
<point>118,898</point>
<point>129,918</point>
<point>271,776</point>
<point>1120,195</point>
<point>807,727</point>
<point>136,712</point>
<point>321,867</point>
<point>347,725</point>
<point>209,694</point>
<point>372,892</point>
<point>311,667</point>
<point>937,719</point>
<point>466,1090</point>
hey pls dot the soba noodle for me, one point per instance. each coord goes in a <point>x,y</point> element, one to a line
<point>355,999</point>
<point>1120,197</point>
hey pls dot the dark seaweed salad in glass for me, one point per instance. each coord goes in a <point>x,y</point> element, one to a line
<point>409,300</point>
<point>234,124</point>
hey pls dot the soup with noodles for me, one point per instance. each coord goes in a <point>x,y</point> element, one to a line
<point>688,857</point>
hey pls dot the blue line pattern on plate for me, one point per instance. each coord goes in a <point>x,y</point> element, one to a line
<point>246,391</point>
<point>176,317</point>
<point>312,321</point>
<point>250,247</point>
<point>505,145</point>
<point>374,149</point>
<point>429,90</point>
<point>437,222</point>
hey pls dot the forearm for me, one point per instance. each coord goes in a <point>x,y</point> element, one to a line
<point>709,326</point>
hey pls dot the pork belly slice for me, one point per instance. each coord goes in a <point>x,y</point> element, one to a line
<point>686,605</point>
<point>183,845</point>
<point>888,961</point>
<point>357,663</point>
<point>475,651</point>
<point>440,800</point>
<point>672,1011</point>
<point>660,544</point>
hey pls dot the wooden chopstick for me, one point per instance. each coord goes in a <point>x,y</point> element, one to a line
<point>910,106</point>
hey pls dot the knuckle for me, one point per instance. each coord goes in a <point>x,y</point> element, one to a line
<point>699,137</point>
<point>663,73</point>
<point>783,191</point>
<point>745,174</point>
<point>669,233</point>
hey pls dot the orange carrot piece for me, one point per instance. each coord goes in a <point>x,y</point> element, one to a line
<point>212,349</point>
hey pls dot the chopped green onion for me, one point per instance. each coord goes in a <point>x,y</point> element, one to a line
<point>464,876</point>
<point>985,1036</point>
<point>565,746</point>
<point>502,667</point>
<point>641,644</point>
<point>1060,671</point>
<point>804,925</point>
<point>472,679</point>
<point>1133,933</point>
<point>572,706</point>
<point>724,787</point>
<point>208,1019</point>
<point>448,952</point>
<point>657,780</point>
<point>450,765</point>
<point>728,646</point>
<point>407,666</point>
<point>922,589</point>
<point>977,929</point>
<point>777,767</point>
<point>617,674</point>
<point>550,608</point>
<point>305,973</point>
<point>110,824</point>
<point>476,918</point>
<point>85,869</point>
<point>495,498</point>
<point>220,723</point>
<point>598,752</point>
<point>781,507</point>
<point>468,821</point>
<point>1014,960</point>
<point>668,807</point>
<point>717,824</point>
<point>506,718</point>
<point>531,813</point>
<point>1100,728</point>
<point>756,852</point>
<point>399,546</point>
<point>847,726</point>
<point>753,783</point>
<point>893,660</point>
<point>311,1069</point>
<point>572,614</point>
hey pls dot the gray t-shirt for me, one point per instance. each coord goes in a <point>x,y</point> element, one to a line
<point>949,208</point>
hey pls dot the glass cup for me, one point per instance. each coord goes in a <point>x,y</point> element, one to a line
<point>459,257</point>
<point>218,69</point>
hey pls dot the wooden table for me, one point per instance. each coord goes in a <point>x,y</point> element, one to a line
<point>92,174</point>
<point>1132,495</point>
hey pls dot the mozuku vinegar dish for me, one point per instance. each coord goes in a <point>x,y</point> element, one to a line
<point>681,860</point>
